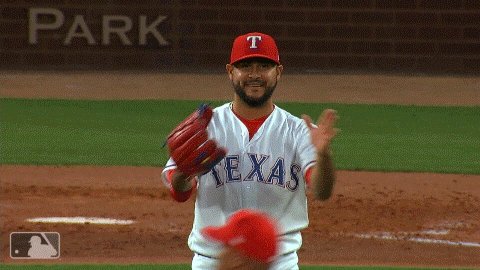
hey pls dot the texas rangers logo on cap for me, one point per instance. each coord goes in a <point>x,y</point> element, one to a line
<point>254,45</point>
<point>253,40</point>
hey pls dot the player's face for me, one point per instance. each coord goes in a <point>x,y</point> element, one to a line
<point>254,80</point>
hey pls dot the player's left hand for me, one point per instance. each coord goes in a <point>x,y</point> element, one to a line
<point>189,146</point>
<point>322,134</point>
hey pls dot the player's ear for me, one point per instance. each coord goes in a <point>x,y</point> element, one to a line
<point>229,69</point>
<point>279,71</point>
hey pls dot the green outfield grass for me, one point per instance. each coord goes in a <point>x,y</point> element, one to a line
<point>373,137</point>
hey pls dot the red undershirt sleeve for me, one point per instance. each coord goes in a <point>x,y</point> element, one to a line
<point>308,175</point>
<point>179,196</point>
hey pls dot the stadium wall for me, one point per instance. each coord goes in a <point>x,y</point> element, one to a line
<point>426,36</point>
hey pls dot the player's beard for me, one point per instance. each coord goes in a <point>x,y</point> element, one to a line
<point>251,101</point>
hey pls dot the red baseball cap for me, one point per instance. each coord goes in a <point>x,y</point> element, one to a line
<point>252,233</point>
<point>254,45</point>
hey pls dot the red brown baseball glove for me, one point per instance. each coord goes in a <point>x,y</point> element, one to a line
<point>189,145</point>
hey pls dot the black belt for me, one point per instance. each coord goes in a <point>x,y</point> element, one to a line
<point>199,254</point>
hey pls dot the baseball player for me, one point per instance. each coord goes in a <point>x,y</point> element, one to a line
<point>40,251</point>
<point>249,238</point>
<point>250,153</point>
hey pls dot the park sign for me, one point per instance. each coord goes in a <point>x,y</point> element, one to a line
<point>112,25</point>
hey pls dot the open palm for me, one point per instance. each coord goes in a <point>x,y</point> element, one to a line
<point>324,131</point>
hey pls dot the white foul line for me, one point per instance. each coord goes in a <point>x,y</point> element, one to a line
<point>81,220</point>
<point>390,236</point>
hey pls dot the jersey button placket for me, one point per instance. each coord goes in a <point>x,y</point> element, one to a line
<point>242,146</point>
<point>249,187</point>
<point>246,185</point>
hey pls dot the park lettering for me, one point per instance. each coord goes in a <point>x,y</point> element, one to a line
<point>118,25</point>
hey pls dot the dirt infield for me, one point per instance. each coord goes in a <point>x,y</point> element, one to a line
<point>370,89</point>
<point>372,219</point>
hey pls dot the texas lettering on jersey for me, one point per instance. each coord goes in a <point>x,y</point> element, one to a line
<point>276,174</point>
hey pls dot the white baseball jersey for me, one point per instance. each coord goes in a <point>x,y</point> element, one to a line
<point>265,173</point>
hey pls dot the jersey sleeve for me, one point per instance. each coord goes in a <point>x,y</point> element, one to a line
<point>168,167</point>
<point>306,151</point>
